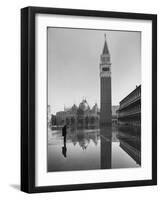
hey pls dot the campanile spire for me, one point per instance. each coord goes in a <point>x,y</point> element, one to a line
<point>105,48</point>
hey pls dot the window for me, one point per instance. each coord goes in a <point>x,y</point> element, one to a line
<point>105,69</point>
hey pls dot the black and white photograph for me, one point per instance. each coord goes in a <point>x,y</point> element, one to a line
<point>89,99</point>
<point>93,99</point>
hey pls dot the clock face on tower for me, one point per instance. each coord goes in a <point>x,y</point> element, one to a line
<point>105,71</point>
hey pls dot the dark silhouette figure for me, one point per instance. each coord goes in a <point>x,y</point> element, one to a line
<point>64,131</point>
<point>64,148</point>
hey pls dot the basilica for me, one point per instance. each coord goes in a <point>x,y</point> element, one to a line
<point>80,116</point>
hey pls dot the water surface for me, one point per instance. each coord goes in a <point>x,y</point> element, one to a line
<point>88,149</point>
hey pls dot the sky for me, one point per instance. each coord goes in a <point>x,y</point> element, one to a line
<point>73,65</point>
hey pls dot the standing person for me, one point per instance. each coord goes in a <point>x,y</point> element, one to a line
<point>64,130</point>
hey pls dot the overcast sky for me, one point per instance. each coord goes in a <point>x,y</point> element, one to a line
<point>73,65</point>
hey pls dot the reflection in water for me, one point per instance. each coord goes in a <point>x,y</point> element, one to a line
<point>106,147</point>
<point>64,134</point>
<point>131,143</point>
<point>86,149</point>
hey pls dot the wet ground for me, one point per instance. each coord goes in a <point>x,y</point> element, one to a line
<point>86,149</point>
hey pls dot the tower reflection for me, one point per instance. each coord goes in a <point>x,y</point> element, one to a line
<point>105,147</point>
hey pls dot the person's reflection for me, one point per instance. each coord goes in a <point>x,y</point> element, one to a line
<point>106,145</point>
<point>64,148</point>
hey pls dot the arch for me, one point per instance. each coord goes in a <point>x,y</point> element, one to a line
<point>73,121</point>
<point>92,120</point>
<point>86,120</point>
<point>67,121</point>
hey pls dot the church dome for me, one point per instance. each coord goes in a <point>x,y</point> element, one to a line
<point>95,108</point>
<point>84,105</point>
<point>74,108</point>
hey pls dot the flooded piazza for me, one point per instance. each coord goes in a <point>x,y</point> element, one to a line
<point>87,149</point>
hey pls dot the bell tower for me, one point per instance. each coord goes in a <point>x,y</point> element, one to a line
<point>105,83</point>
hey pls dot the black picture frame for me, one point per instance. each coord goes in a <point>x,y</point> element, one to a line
<point>28,98</point>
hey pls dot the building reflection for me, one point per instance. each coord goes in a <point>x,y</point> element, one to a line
<point>105,147</point>
<point>129,139</point>
<point>83,137</point>
<point>130,142</point>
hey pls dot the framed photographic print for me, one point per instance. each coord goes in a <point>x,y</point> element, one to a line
<point>88,99</point>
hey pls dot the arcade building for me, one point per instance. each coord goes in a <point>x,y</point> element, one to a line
<point>129,112</point>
